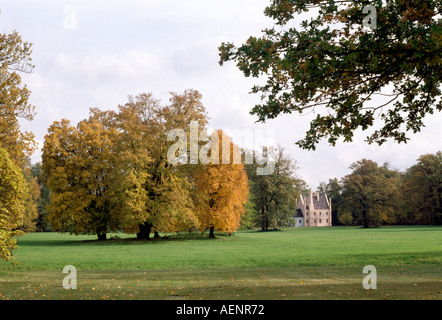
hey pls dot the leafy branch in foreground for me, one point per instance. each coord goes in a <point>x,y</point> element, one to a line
<point>351,77</point>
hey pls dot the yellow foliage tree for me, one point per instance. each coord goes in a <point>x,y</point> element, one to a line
<point>17,145</point>
<point>31,213</point>
<point>158,194</point>
<point>79,167</point>
<point>12,204</point>
<point>14,58</point>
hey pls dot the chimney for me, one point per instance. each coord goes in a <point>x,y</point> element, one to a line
<point>310,197</point>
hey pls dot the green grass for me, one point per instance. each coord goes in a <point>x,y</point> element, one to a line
<point>302,263</point>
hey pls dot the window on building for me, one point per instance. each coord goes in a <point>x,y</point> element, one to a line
<point>319,220</point>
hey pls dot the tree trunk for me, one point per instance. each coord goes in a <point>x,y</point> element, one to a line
<point>365,218</point>
<point>144,231</point>
<point>439,211</point>
<point>101,235</point>
<point>156,235</point>
<point>212,232</point>
<point>263,225</point>
<point>365,222</point>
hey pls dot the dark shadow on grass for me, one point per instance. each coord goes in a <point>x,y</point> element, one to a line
<point>119,241</point>
<point>49,243</point>
<point>414,228</point>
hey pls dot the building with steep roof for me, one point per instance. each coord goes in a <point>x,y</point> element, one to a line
<point>313,210</point>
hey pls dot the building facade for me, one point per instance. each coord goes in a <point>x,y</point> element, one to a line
<point>313,210</point>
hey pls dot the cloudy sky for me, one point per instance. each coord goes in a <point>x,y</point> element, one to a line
<point>96,53</point>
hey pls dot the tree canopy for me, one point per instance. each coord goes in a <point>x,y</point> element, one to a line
<point>224,188</point>
<point>13,194</point>
<point>386,76</point>
<point>15,58</point>
<point>275,194</point>
<point>18,190</point>
<point>79,167</point>
<point>163,190</point>
<point>422,189</point>
<point>368,194</point>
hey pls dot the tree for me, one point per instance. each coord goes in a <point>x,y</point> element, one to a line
<point>17,199</point>
<point>337,68</point>
<point>224,186</point>
<point>42,224</point>
<point>162,191</point>
<point>33,195</point>
<point>422,188</point>
<point>15,58</point>
<point>248,219</point>
<point>276,193</point>
<point>13,195</point>
<point>395,209</point>
<point>367,195</point>
<point>79,168</point>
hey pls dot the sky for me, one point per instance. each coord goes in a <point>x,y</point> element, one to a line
<point>94,54</point>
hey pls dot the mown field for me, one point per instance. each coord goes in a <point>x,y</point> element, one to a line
<point>303,263</point>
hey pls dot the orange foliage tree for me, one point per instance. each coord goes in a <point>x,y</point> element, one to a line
<point>223,186</point>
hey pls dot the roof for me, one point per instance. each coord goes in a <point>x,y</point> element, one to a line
<point>320,202</point>
<point>298,214</point>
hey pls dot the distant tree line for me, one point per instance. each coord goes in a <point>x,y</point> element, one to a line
<point>373,195</point>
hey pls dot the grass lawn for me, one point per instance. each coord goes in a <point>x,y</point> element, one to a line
<point>302,263</point>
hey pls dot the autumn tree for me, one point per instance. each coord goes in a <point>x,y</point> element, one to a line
<point>16,199</point>
<point>224,187</point>
<point>368,195</point>
<point>13,195</point>
<point>422,189</point>
<point>79,168</point>
<point>354,64</point>
<point>14,97</point>
<point>29,223</point>
<point>275,193</point>
<point>162,192</point>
